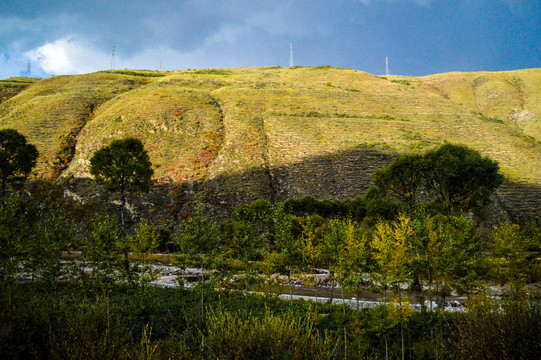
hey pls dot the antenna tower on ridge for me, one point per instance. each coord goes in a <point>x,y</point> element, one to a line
<point>386,65</point>
<point>28,69</point>
<point>290,54</point>
<point>113,60</point>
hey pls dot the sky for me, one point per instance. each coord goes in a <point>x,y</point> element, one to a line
<point>419,37</point>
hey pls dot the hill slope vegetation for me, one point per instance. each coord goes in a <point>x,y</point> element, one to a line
<point>235,135</point>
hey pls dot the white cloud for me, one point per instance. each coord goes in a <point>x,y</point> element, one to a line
<point>67,56</point>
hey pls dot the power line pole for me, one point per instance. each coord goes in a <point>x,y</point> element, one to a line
<point>386,65</point>
<point>113,60</point>
<point>28,69</point>
<point>290,54</point>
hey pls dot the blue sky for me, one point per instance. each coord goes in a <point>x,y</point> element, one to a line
<point>420,37</point>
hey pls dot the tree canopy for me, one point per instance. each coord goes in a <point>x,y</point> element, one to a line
<point>452,176</point>
<point>123,166</point>
<point>460,178</point>
<point>17,158</point>
<point>401,178</point>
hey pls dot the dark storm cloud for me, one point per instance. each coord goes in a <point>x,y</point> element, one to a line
<point>420,36</point>
<point>135,25</point>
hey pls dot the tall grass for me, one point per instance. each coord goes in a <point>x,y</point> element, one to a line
<point>231,336</point>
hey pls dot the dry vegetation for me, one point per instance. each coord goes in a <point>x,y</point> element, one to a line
<point>283,132</point>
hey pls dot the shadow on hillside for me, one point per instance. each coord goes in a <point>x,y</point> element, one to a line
<point>341,175</point>
<point>520,201</point>
<point>345,175</point>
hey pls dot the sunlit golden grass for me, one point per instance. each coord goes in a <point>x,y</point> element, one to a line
<point>180,127</point>
<point>12,86</point>
<point>207,123</point>
<point>52,108</point>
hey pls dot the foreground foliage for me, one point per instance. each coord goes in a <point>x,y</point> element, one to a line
<point>90,293</point>
<point>73,323</point>
<point>17,158</point>
<point>96,307</point>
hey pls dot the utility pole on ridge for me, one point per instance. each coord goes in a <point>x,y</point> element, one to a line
<point>113,60</point>
<point>290,54</point>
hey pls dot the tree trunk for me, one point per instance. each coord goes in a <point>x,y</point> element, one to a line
<point>123,201</point>
<point>3,191</point>
<point>332,291</point>
<point>290,286</point>
<point>123,225</point>
<point>202,293</point>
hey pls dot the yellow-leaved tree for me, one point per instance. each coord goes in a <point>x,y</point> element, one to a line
<point>393,253</point>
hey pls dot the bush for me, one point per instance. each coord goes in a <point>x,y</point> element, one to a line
<point>230,336</point>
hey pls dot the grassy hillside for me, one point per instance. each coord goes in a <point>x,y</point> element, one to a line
<point>12,86</point>
<point>53,111</point>
<point>278,132</point>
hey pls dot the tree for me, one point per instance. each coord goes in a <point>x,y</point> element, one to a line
<point>198,238</point>
<point>333,238</point>
<point>401,178</point>
<point>101,248</point>
<point>144,304</point>
<point>514,262</point>
<point>44,251</point>
<point>454,177</point>
<point>393,257</point>
<point>464,256</point>
<point>460,178</point>
<point>355,257</point>
<point>17,158</point>
<point>15,228</point>
<point>123,166</point>
<point>287,258</point>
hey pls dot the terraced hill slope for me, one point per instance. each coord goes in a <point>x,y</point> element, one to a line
<point>235,135</point>
<point>12,86</point>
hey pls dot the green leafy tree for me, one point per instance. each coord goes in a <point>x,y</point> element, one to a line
<point>463,258</point>
<point>249,235</point>
<point>285,256</point>
<point>393,252</point>
<point>453,176</point>
<point>144,302</point>
<point>514,261</point>
<point>460,178</point>
<point>101,248</point>
<point>54,236</point>
<point>447,254</point>
<point>144,242</point>
<point>332,242</point>
<point>17,158</point>
<point>15,229</point>
<point>198,239</point>
<point>355,256</point>
<point>311,245</point>
<point>123,166</point>
<point>402,178</point>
